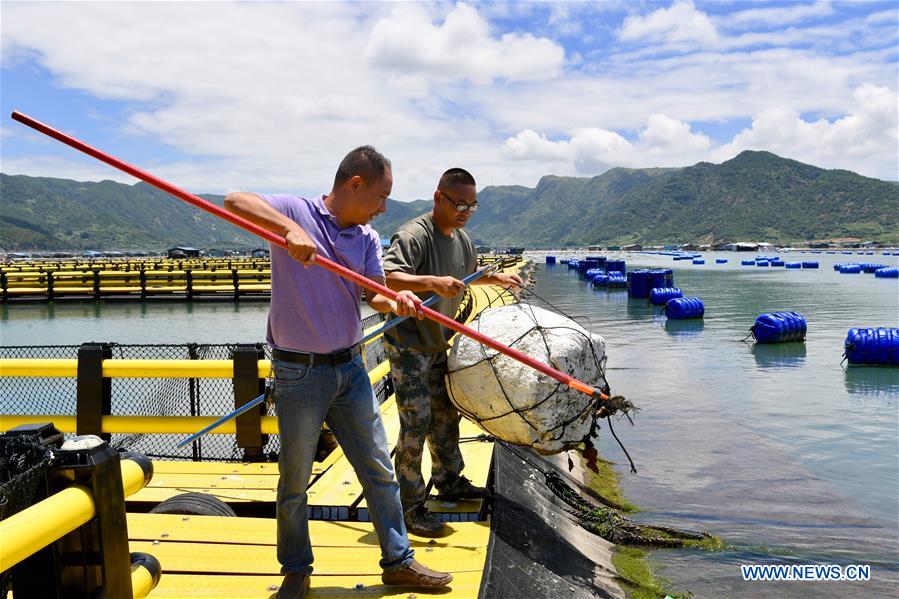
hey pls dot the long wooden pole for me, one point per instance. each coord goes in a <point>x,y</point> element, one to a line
<point>319,260</point>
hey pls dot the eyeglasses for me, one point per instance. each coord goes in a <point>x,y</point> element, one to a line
<point>461,207</point>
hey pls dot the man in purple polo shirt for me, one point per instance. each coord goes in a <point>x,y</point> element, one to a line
<point>314,328</point>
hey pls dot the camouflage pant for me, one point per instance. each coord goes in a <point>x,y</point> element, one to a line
<point>426,413</point>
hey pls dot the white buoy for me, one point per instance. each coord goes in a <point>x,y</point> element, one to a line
<point>514,402</point>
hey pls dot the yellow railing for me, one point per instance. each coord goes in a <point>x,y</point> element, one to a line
<point>32,529</point>
<point>66,423</point>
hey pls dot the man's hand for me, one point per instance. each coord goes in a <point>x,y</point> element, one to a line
<point>507,280</point>
<point>300,246</point>
<point>407,304</point>
<point>447,286</point>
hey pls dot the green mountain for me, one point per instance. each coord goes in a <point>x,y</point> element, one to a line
<point>59,214</point>
<point>755,196</point>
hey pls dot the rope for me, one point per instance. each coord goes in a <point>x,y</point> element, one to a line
<point>596,408</point>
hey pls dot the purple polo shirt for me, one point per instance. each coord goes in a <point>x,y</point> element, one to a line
<point>312,309</point>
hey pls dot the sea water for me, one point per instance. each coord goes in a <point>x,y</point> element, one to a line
<point>784,451</point>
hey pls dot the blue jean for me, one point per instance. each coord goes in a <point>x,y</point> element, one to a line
<point>305,397</point>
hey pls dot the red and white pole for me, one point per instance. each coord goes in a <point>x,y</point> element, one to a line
<point>319,260</point>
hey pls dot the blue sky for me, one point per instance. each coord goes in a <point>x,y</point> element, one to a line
<point>219,96</point>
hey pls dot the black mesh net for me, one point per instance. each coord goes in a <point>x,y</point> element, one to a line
<point>23,470</point>
<point>155,396</point>
<point>491,357</point>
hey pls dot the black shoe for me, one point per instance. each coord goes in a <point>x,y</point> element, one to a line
<point>460,489</point>
<point>423,523</point>
<point>294,586</point>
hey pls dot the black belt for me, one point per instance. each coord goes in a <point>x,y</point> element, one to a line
<point>297,357</point>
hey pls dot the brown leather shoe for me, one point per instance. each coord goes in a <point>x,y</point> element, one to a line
<point>417,575</point>
<point>294,586</point>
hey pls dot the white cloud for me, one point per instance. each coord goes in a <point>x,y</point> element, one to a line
<point>531,145</point>
<point>705,86</point>
<point>590,151</point>
<point>462,47</point>
<point>865,140</point>
<point>269,96</point>
<point>664,134</point>
<point>681,22</point>
<point>776,16</point>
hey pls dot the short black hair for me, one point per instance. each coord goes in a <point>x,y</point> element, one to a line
<point>455,176</point>
<point>364,161</point>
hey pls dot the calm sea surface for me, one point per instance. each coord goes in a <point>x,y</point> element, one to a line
<point>785,453</point>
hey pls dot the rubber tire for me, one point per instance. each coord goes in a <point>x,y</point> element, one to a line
<point>194,504</point>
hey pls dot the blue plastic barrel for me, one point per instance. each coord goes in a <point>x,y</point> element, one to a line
<point>572,264</point>
<point>564,260</point>
<point>850,269</point>
<point>638,283</point>
<point>873,346</point>
<point>809,264</point>
<point>658,278</point>
<point>793,265</point>
<point>777,262</point>
<point>779,327</point>
<point>761,263</point>
<point>681,308</point>
<point>617,265</point>
<point>720,260</point>
<point>747,262</point>
<point>601,280</point>
<point>870,267</point>
<point>887,273</point>
<point>659,296</point>
<point>669,277</point>
<point>584,265</point>
<point>550,259</point>
<point>616,280</point>
<point>698,261</point>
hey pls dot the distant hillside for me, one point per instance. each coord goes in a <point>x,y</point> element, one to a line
<point>59,214</point>
<point>754,196</point>
<point>398,213</point>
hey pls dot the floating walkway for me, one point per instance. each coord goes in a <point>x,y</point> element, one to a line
<point>136,279</point>
<point>143,280</point>
<point>214,556</point>
<point>235,556</point>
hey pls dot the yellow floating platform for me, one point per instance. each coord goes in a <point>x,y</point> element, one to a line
<point>237,556</point>
<point>214,556</point>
